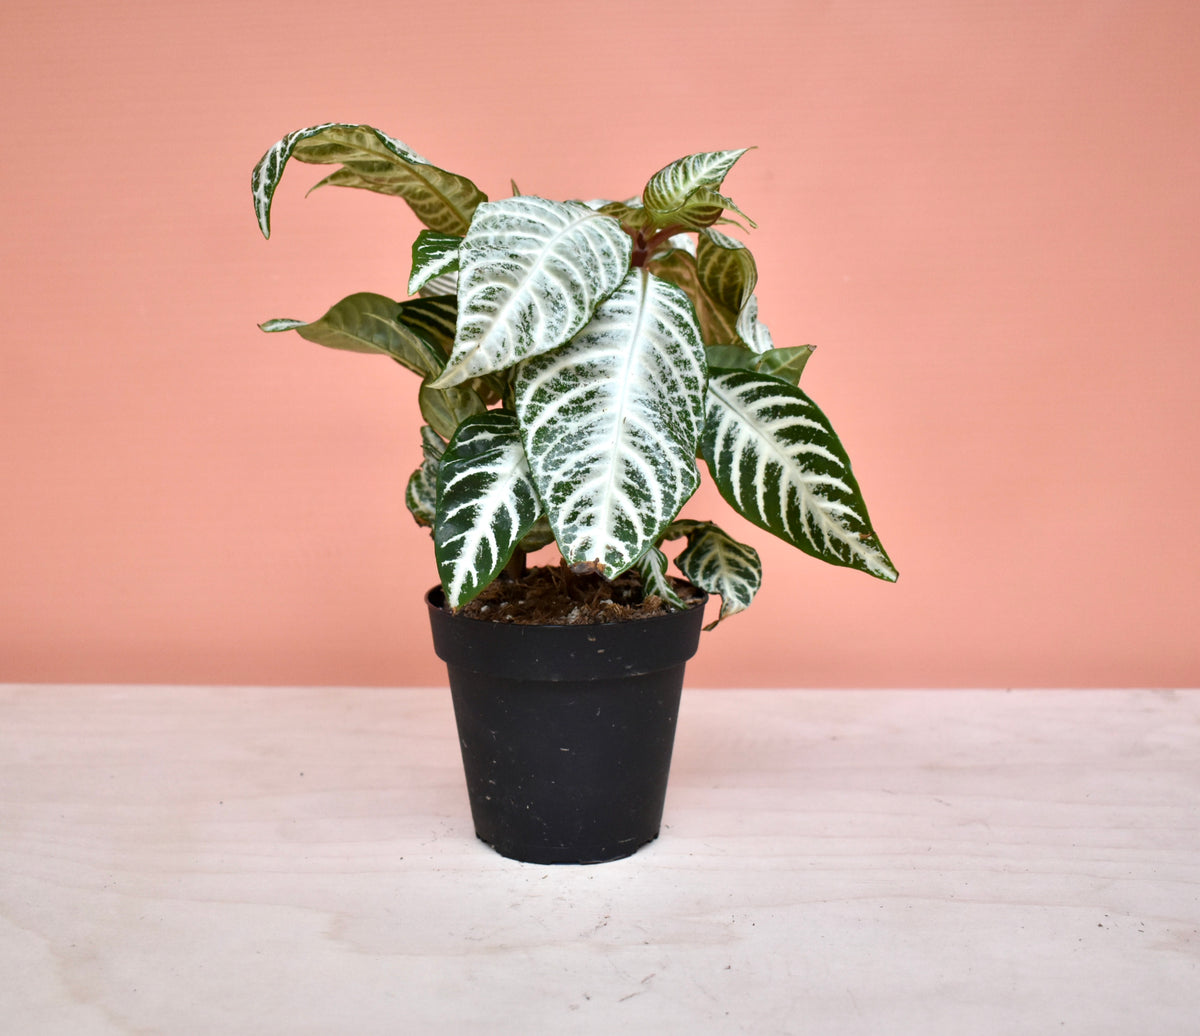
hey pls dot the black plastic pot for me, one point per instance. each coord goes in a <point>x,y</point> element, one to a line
<point>566,731</point>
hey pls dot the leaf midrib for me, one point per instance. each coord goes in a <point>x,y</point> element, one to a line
<point>616,455</point>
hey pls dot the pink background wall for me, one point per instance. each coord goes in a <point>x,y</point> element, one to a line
<point>984,214</point>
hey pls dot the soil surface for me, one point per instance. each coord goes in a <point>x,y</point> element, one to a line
<point>560,596</point>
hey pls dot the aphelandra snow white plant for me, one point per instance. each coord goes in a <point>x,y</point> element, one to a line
<point>575,359</point>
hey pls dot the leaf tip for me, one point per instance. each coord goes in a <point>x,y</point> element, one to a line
<point>280,324</point>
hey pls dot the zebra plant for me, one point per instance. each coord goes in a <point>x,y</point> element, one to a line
<point>575,359</point>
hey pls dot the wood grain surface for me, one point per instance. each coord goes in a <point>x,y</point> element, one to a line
<point>239,860</point>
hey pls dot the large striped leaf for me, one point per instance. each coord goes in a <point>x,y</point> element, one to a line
<point>485,504</point>
<point>531,273</point>
<point>611,423</point>
<point>718,563</point>
<point>777,460</point>
<point>367,323</point>
<point>685,194</point>
<point>373,161</point>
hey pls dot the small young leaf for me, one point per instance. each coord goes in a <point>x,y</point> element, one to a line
<point>684,193</point>
<point>367,323</point>
<point>433,255</point>
<point>777,460</point>
<point>373,161</point>
<point>652,567</point>
<point>531,274</point>
<point>486,504</point>
<point>718,563</point>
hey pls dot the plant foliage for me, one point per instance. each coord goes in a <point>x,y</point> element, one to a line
<point>575,360</point>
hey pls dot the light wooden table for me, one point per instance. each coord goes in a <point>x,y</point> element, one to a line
<point>231,860</point>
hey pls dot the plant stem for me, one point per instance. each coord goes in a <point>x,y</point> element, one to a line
<point>644,248</point>
<point>515,568</point>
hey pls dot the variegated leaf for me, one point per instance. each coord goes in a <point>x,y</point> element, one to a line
<point>373,161</point>
<point>434,255</point>
<point>611,421</point>
<point>652,568</point>
<point>531,273</point>
<point>726,269</point>
<point>685,194</point>
<point>486,503</point>
<point>421,492</point>
<point>752,331</point>
<point>718,563</point>
<point>367,323</point>
<point>776,459</point>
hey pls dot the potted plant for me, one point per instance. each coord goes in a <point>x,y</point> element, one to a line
<point>575,360</point>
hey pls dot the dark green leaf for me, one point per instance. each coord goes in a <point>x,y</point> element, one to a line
<point>445,409</point>
<point>367,323</point>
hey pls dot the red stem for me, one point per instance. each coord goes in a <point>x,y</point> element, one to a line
<point>644,249</point>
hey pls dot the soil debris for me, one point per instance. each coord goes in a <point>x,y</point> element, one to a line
<point>556,595</point>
